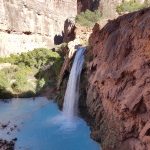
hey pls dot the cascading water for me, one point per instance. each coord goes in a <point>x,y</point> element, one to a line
<point>70,106</point>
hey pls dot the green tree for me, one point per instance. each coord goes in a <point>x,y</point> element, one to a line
<point>88,18</point>
<point>130,6</point>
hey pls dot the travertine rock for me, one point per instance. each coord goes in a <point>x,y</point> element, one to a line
<point>118,88</point>
<point>28,24</point>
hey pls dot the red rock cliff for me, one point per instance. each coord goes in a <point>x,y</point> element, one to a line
<point>118,91</point>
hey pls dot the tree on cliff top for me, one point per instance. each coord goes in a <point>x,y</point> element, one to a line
<point>88,18</point>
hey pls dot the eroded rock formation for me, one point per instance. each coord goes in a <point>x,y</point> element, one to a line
<point>69,30</point>
<point>118,88</point>
<point>25,25</point>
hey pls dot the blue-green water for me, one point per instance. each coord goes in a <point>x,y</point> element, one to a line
<point>41,126</point>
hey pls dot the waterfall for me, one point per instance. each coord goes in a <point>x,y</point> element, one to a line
<point>70,106</point>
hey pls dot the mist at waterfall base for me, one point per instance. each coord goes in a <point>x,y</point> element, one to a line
<point>35,129</point>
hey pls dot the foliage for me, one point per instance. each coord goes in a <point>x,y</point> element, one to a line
<point>19,77</point>
<point>34,59</point>
<point>88,18</point>
<point>51,74</point>
<point>56,67</point>
<point>21,80</point>
<point>4,80</point>
<point>40,84</point>
<point>130,6</point>
<point>15,79</point>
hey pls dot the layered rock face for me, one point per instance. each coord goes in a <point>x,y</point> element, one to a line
<point>25,25</point>
<point>118,89</point>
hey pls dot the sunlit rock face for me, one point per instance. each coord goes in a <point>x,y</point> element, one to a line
<point>118,87</point>
<point>28,24</point>
<point>106,7</point>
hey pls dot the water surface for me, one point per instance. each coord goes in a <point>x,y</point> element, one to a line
<point>41,126</point>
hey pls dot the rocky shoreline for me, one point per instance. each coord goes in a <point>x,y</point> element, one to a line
<point>9,128</point>
<point>7,145</point>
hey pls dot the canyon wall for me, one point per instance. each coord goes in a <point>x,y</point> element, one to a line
<point>25,25</point>
<point>106,7</point>
<point>118,87</point>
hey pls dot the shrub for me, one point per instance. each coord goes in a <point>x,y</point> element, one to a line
<point>34,59</point>
<point>4,81</point>
<point>129,6</point>
<point>20,81</point>
<point>56,67</point>
<point>88,18</point>
<point>40,84</point>
<point>20,77</point>
<point>14,79</point>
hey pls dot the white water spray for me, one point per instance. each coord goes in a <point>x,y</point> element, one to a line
<point>70,106</point>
